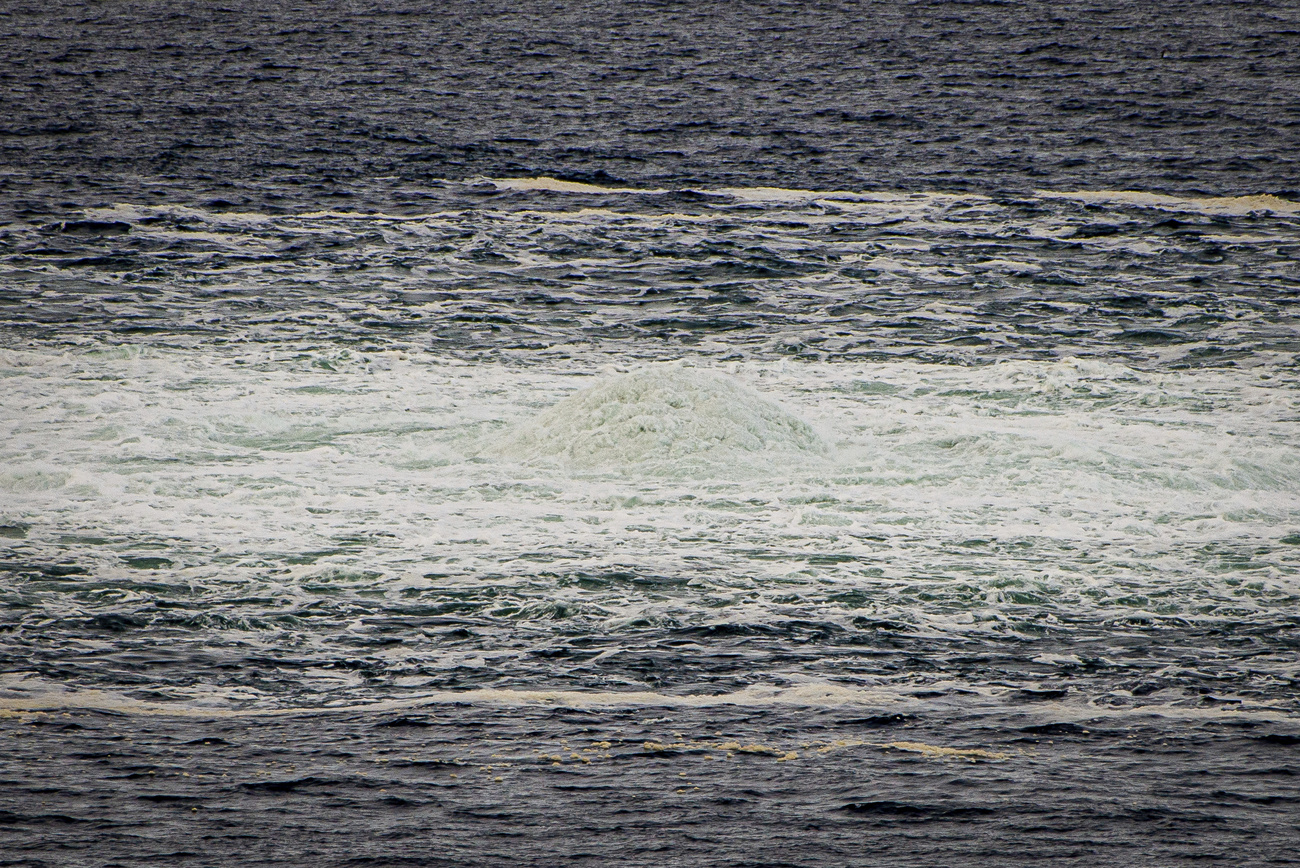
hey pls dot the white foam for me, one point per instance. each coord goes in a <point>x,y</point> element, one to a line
<point>665,415</point>
<point>957,500</point>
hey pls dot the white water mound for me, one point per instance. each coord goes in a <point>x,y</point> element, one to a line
<point>667,417</point>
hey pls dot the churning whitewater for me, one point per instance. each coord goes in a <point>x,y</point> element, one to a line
<point>668,417</point>
<point>276,528</point>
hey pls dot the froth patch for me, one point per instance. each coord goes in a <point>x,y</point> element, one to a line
<point>665,416</point>
<point>555,185</point>
<point>1224,205</point>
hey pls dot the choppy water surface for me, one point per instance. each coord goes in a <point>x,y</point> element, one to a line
<point>867,441</point>
<point>751,436</point>
<point>729,461</point>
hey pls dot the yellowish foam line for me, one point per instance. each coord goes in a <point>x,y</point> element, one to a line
<point>784,754</point>
<point>938,751</point>
<point>813,695</point>
<point>810,695</point>
<point>1225,205</point>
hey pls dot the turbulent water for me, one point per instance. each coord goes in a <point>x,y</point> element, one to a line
<point>714,512</point>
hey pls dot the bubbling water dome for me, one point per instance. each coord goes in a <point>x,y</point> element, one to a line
<point>667,417</point>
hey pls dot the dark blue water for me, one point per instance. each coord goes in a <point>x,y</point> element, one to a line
<point>371,105</point>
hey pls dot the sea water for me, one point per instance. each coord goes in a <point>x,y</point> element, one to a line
<point>916,457</point>
<point>703,509</point>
